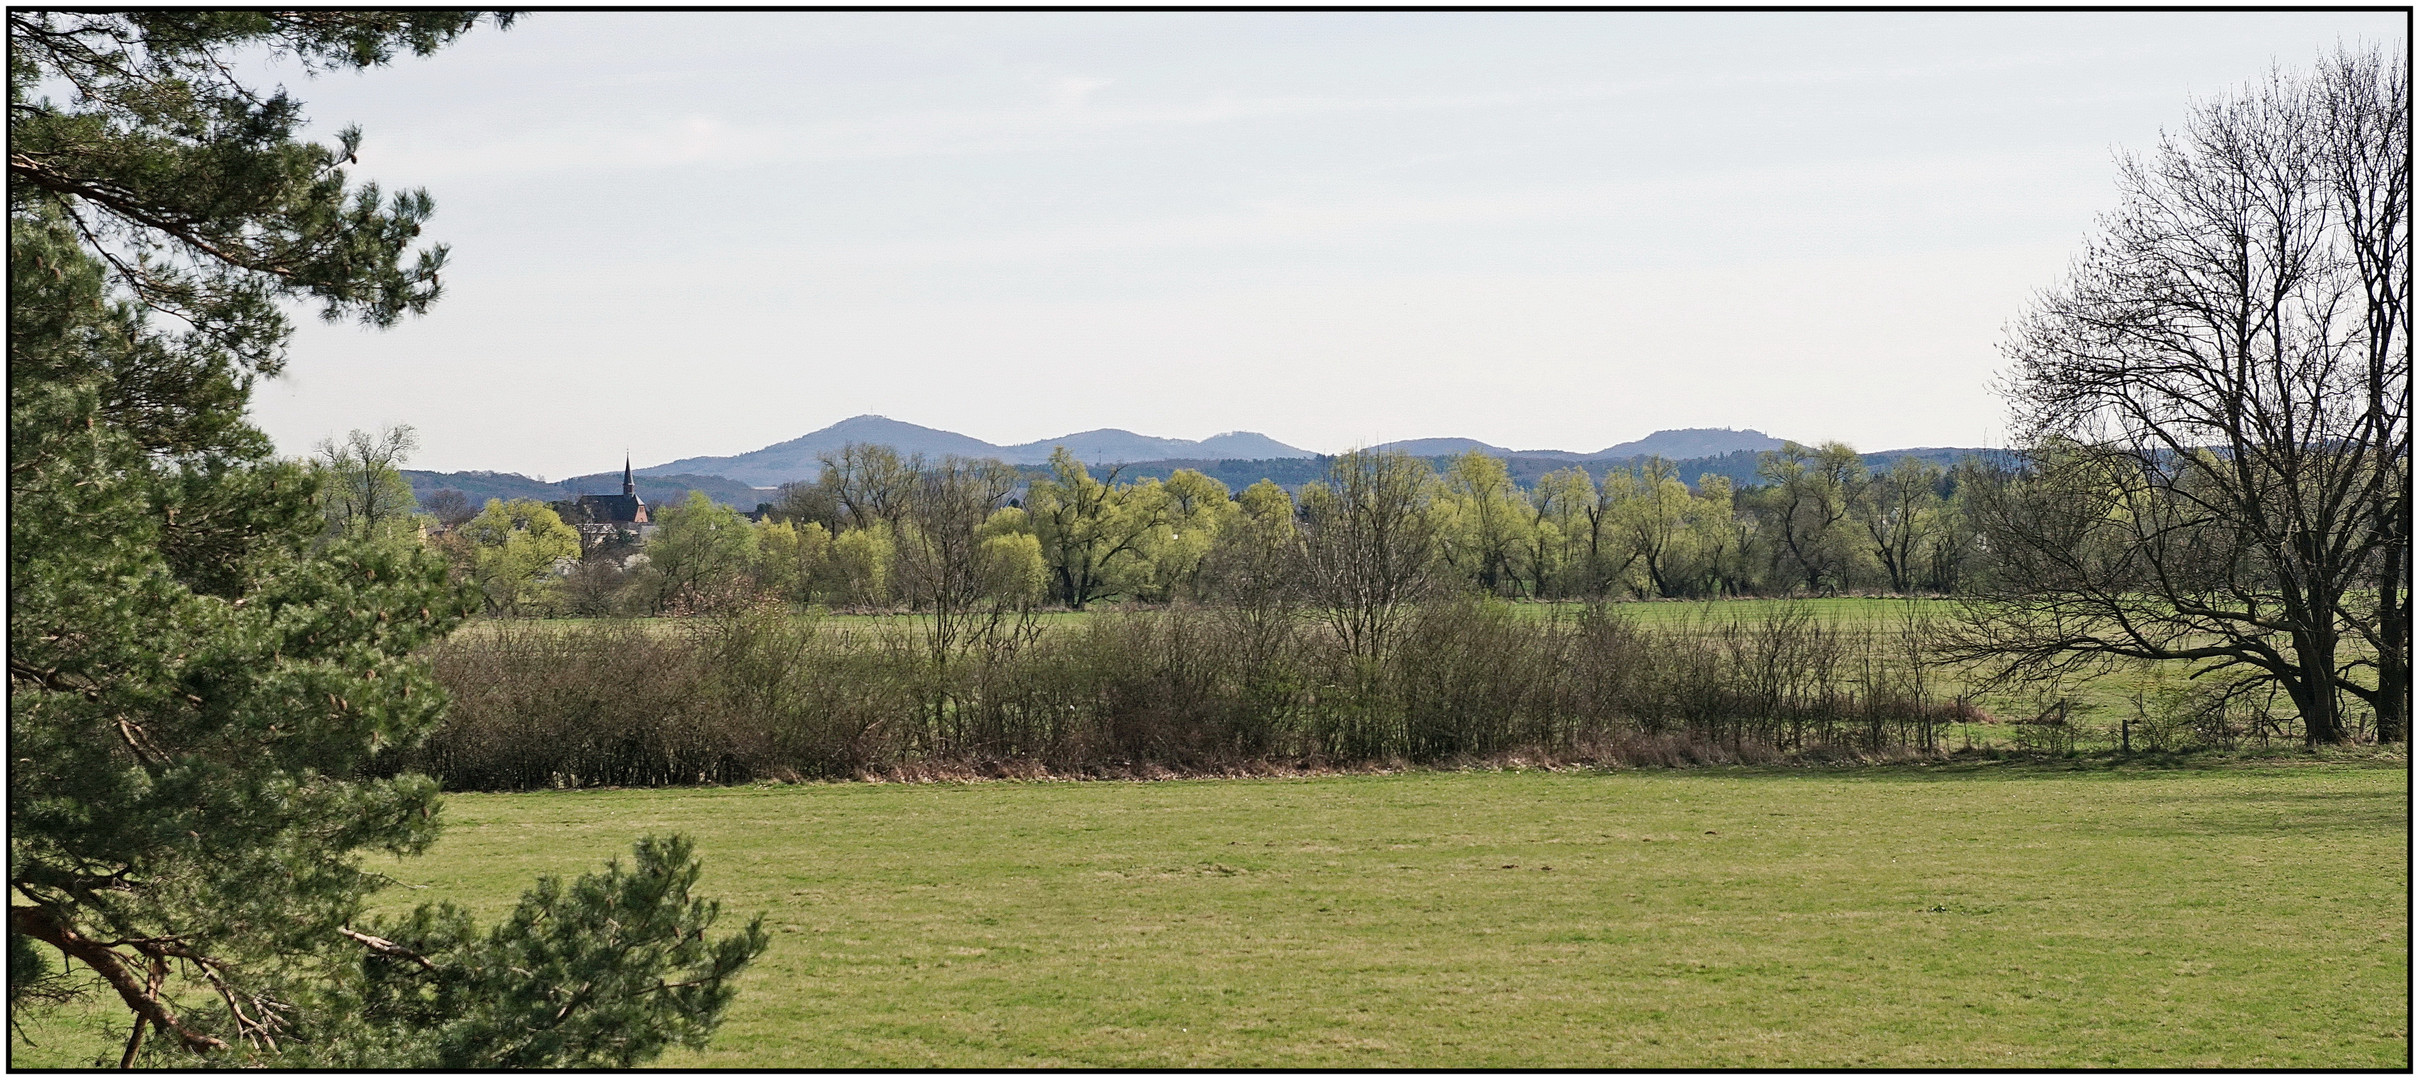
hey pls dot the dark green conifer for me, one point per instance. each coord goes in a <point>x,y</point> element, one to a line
<point>200,676</point>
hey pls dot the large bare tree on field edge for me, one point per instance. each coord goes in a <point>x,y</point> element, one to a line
<point>2215,407</point>
<point>209,647</point>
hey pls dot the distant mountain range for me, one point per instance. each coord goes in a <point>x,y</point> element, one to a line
<point>481,485</point>
<point>1238,458</point>
<point>1739,466</point>
<point>1676,444</point>
<point>798,459</point>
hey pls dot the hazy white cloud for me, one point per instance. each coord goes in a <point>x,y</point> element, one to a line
<point>762,133</point>
<point>1072,91</point>
<point>1685,208</point>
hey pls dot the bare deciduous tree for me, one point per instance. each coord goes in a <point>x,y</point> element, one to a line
<point>361,488</point>
<point>871,482</point>
<point>1899,510</point>
<point>2364,101</point>
<point>1368,544</point>
<point>450,506</point>
<point>942,568</point>
<point>2217,403</point>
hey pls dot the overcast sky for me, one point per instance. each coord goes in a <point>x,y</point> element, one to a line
<point>700,233</point>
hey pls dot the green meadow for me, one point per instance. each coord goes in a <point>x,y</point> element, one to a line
<point>2235,913</point>
<point>1993,915</point>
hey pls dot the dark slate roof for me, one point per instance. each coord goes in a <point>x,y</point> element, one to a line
<point>611,509</point>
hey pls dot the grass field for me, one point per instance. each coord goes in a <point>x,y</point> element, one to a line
<point>1979,914</point>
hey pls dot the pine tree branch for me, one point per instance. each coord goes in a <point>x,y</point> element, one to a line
<point>383,947</point>
<point>141,994</point>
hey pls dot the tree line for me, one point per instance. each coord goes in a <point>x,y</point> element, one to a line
<point>875,531</point>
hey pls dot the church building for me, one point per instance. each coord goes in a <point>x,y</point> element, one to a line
<point>608,519</point>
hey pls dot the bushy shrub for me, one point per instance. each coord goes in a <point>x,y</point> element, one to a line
<point>742,693</point>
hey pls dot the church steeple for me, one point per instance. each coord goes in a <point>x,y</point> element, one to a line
<point>629,481</point>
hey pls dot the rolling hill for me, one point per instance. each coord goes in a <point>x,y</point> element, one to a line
<point>1678,443</point>
<point>481,485</point>
<point>1238,458</point>
<point>797,459</point>
<point>1672,443</point>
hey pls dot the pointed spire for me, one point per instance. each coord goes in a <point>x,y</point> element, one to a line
<point>629,481</point>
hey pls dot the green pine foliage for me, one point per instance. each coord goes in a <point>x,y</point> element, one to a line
<point>201,670</point>
<point>607,972</point>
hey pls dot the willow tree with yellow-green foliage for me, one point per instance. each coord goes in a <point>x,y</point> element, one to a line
<point>1091,529</point>
<point>516,547</point>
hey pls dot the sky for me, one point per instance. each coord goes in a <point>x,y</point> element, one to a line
<point>700,233</point>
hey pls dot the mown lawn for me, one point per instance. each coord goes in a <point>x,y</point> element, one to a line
<point>1984,914</point>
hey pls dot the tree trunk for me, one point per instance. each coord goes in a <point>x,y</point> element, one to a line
<point>2313,691</point>
<point>2394,647</point>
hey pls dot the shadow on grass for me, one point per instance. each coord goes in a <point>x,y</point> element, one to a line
<point>2001,764</point>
